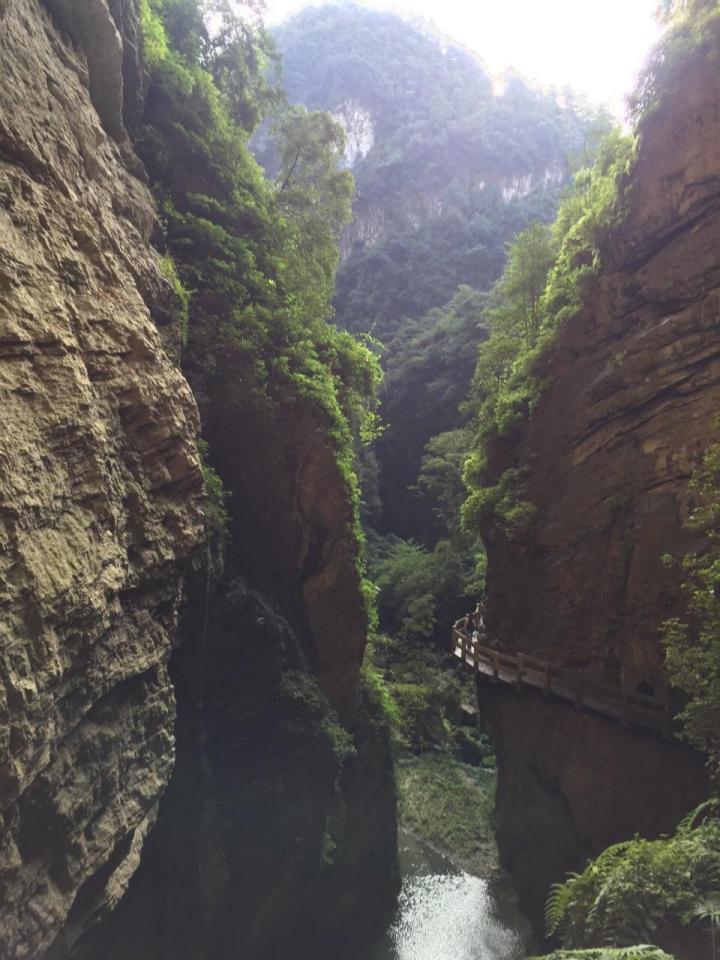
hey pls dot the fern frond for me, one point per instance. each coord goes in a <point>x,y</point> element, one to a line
<point>688,823</point>
<point>706,909</point>
<point>558,901</point>
<point>641,952</point>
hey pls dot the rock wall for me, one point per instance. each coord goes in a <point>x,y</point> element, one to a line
<point>99,499</point>
<point>570,784</point>
<point>270,839</point>
<point>633,388</point>
<point>190,766</point>
<point>279,824</point>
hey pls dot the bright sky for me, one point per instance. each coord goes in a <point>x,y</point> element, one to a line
<point>595,47</point>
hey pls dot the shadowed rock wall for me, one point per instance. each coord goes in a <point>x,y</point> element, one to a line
<point>174,778</point>
<point>571,784</point>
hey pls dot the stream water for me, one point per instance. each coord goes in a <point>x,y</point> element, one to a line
<point>446,914</point>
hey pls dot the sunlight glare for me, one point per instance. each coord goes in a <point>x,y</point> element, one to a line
<point>596,48</point>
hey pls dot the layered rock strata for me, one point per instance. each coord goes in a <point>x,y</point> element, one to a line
<point>99,493</point>
<point>632,390</point>
<point>190,766</point>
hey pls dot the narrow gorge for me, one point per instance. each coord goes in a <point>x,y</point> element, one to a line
<point>151,676</point>
<point>314,338</point>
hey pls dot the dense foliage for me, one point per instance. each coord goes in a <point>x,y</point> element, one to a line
<point>258,257</point>
<point>695,28</point>
<point>429,364</point>
<point>543,285</point>
<point>430,188</point>
<point>634,889</point>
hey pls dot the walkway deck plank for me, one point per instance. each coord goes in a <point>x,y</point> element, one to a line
<point>587,693</point>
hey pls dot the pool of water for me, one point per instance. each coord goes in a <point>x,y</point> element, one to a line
<point>446,914</point>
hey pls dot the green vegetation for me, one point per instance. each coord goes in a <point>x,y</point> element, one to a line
<point>444,761</point>
<point>429,364</point>
<point>450,805</point>
<point>216,513</point>
<point>444,148</point>
<point>634,889</point>
<point>258,256</point>
<point>695,29</point>
<point>251,262</point>
<point>419,588</point>
<point>181,297</point>
<point>544,284</point>
<point>299,693</point>
<point>643,952</point>
<point>448,170</point>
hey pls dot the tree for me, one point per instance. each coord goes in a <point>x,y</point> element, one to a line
<point>440,476</point>
<point>517,312</point>
<point>242,59</point>
<point>315,196</point>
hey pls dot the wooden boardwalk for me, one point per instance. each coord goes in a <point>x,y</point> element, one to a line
<point>653,712</point>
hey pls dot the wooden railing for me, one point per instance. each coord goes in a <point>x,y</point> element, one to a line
<point>652,711</point>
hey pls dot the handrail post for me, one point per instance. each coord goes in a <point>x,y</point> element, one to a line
<point>476,655</point>
<point>463,649</point>
<point>518,677</point>
<point>496,667</point>
<point>546,681</point>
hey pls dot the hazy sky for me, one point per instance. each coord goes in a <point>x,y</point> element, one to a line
<point>597,48</point>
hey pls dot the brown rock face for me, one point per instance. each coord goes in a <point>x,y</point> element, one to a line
<point>267,841</point>
<point>292,536</point>
<point>270,838</point>
<point>571,784</point>
<point>633,389</point>
<point>99,488</point>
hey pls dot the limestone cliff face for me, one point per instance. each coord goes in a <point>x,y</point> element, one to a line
<point>634,385</point>
<point>99,493</point>
<point>278,827</point>
<point>633,389</point>
<point>174,777</point>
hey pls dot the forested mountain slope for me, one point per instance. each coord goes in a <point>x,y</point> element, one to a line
<point>449,165</point>
<point>446,170</point>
